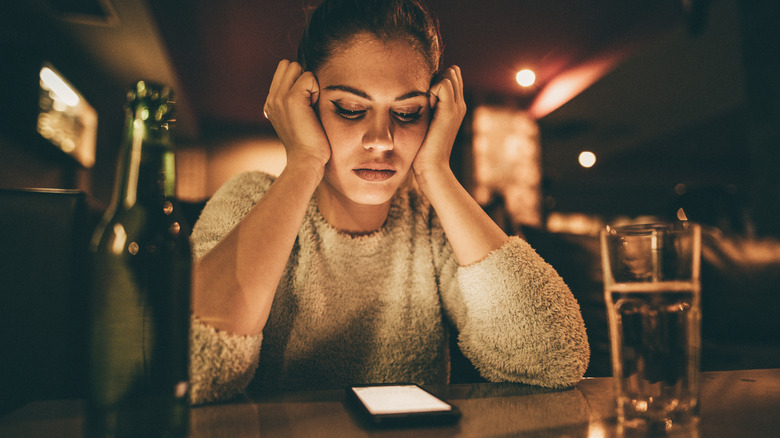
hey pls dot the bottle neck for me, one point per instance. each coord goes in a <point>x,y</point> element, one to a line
<point>147,170</point>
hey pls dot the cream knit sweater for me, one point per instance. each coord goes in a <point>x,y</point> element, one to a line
<point>375,308</point>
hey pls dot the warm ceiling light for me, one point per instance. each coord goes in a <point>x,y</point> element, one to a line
<point>525,78</point>
<point>587,159</point>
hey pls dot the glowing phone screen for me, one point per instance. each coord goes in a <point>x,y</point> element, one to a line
<point>396,399</point>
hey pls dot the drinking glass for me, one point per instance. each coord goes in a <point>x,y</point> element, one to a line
<point>652,294</point>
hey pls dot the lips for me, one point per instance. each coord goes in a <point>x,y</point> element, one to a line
<point>375,171</point>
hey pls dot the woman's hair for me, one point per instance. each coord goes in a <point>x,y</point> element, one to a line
<point>334,22</point>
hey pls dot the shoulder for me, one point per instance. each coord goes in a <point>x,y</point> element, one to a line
<point>239,194</point>
<point>227,207</point>
<point>251,184</point>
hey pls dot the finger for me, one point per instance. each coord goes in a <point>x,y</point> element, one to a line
<point>305,90</point>
<point>456,79</point>
<point>276,81</point>
<point>443,92</point>
<point>433,99</point>
<point>280,69</point>
<point>458,83</point>
<point>286,77</point>
<point>313,87</point>
<point>290,76</point>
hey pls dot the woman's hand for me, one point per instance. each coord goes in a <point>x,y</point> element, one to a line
<point>448,107</point>
<point>236,280</point>
<point>470,231</point>
<point>290,107</point>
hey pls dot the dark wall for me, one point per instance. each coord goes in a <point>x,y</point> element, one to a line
<point>712,99</point>
<point>761,45</point>
<point>29,37</point>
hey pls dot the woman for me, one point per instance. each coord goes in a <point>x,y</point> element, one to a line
<point>341,270</point>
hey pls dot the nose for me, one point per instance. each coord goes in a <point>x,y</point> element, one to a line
<point>379,135</point>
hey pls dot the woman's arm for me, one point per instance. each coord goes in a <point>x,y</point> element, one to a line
<point>471,232</point>
<point>235,282</point>
<point>518,321</point>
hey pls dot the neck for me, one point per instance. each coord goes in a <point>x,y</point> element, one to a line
<point>348,216</point>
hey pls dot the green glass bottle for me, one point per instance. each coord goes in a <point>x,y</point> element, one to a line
<point>141,283</point>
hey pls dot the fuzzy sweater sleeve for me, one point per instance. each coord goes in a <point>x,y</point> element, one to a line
<point>517,319</point>
<point>222,364</point>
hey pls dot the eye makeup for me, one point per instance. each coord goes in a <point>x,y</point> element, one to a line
<point>350,114</point>
<point>408,117</point>
<point>354,114</point>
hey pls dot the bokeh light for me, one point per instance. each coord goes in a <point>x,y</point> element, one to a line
<point>587,159</point>
<point>525,78</point>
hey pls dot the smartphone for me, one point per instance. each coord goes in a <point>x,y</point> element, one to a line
<point>400,405</point>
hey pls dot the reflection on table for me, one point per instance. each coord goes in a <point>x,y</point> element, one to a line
<point>742,403</point>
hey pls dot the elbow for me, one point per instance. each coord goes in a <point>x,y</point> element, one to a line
<point>566,357</point>
<point>558,369</point>
<point>566,367</point>
<point>553,358</point>
<point>221,364</point>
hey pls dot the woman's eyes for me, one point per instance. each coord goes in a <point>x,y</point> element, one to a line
<point>408,117</point>
<point>354,114</point>
<point>347,113</point>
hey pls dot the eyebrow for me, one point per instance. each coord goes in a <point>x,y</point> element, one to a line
<point>365,95</point>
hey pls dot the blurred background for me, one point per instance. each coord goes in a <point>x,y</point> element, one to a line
<point>633,110</point>
<point>675,102</point>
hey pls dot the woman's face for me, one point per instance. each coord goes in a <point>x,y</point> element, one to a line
<point>375,110</point>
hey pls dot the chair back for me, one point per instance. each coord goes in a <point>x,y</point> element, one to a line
<point>44,235</point>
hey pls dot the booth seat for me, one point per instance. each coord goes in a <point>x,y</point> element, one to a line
<point>43,293</point>
<point>44,298</point>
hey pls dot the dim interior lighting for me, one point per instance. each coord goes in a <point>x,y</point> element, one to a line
<point>120,238</point>
<point>572,82</point>
<point>597,430</point>
<point>587,159</point>
<point>58,87</point>
<point>681,214</point>
<point>65,118</point>
<point>525,78</point>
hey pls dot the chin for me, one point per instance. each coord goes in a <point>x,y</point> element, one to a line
<point>374,195</point>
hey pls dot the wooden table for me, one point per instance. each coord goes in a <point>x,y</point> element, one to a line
<point>743,403</point>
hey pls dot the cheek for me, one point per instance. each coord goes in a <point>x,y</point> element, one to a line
<point>409,140</point>
<point>339,134</point>
<point>328,125</point>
